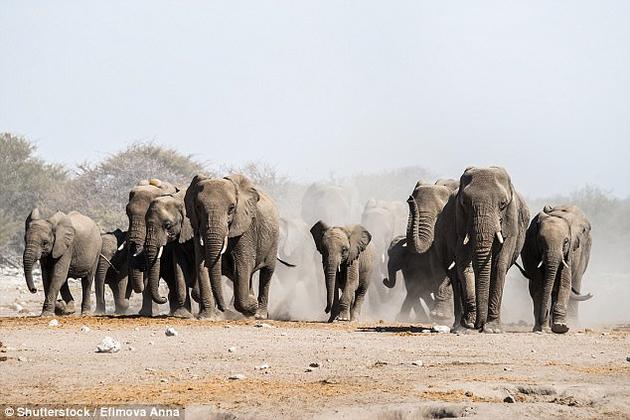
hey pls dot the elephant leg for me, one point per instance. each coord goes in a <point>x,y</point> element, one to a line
<point>119,290</point>
<point>347,294</point>
<point>148,307</point>
<point>457,301</point>
<point>178,292</point>
<point>68,306</point>
<point>264,281</point>
<point>358,300</point>
<point>86,298</point>
<point>99,287</point>
<point>535,291</point>
<point>58,279</point>
<point>493,325</point>
<point>405,308</point>
<point>466,276</point>
<point>559,311</point>
<point>334,311</point>
<point>421,313</point>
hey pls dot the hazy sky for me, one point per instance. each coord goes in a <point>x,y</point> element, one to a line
<point>542,88</point>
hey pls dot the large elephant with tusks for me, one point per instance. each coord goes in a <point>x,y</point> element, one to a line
<point>235,228</point>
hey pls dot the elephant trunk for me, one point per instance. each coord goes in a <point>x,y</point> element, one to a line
<point>136,237</point>
<point>420,228</point>
<point>331,268</point>
<point>153,253</point>
<point>482,265</point>
<point>31,254</point>
<point>390,281</point>
<point>552,262</point>
<point>213,243</point>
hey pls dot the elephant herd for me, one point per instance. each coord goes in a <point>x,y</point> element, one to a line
<point>454,243</point>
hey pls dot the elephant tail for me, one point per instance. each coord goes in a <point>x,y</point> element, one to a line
<point>109,262</point>
<point>286,263</point>
<point>521,269</point>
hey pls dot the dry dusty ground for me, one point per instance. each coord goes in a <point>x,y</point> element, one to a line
<point>365,369</point>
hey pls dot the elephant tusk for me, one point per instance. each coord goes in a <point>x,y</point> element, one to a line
<point>466,239</point>
<point>450,267</point>
<point>382,258</point>
<point>225,244</point>
<point>565,263</point>
<point>122,246</point>
<point>160,252</point>
<point>540,264</point>
<point>200,241</point>
<point>137,253</point>
<point>499,237</point>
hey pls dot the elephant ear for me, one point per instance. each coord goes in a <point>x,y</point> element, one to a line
<point>359,239</point>
<point>246,200</point>
<point>121,236</point>
<point>186,233</point>
<point>317,231</point>
<point>34,215</point>
<point>64,235</point>
<point>189,200</point>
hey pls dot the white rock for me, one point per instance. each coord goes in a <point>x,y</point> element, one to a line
<point>108,345</point>
<point>17,307</point>
<point>263,325</point>
<point>417,363</point>
<point>85,329</point>
<point>164,380</point>
<point>443,329</point>
<point>231,349</point>
<point>22,359</point>
<point>53,323</point>
<point>151,343</point>
<point>170,332</point>
<point>237,377</point>
<point>264,366</point>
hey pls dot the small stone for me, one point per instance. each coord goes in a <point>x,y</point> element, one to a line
<point>17,307</point>
<point>149,369</point>
<point>533,350</point>
<point>417,363</point>
<point>136,329</point>
<point>170,332</point>
<point>283,334</point>
<point>442,329</point>
<point>53,323</point>
<point>164,380</point>
<point>593,356</point>
<point>231,349</point>
<point>131,348</point>
<point>263,325</point>
<point>507,369</point>
<point>509,399</point>
<point>84,329</point>
<point>237,377</point>
<point>108,345</point>
<point>309,369</point>
<point>468,394</point>
<point>264,366</point>
<point>313,365</point>
<point>151,343</point>
<point>329,360</point>
<point>22,359</point>
<point>627,358</point>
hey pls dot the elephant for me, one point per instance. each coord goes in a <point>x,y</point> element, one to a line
<point>140,197</point>
<point>347,260</point>
<point>235,228</point>
<point>384,220</point>
<point>332,203</point>
<point>431,232</point>
<point>491,218</point>
<point>66,245</point>
<point>423,280</point>
<point>112,270</point>
<point>296,246</point>
<point>169,229</point>
<point>555,256</point>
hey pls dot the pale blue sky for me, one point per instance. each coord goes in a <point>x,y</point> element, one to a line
<point>542,88</point>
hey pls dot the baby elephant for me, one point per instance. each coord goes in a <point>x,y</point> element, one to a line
<point>347,259</point>
<point>66,245</point>
<point>555,255</point>
<point>112,270</point>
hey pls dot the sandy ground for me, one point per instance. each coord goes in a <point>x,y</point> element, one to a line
<point>365,370</point>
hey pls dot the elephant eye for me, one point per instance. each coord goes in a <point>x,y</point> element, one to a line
<point>231,208</point>
<point>168,225</point>
<point>566,241</point>
<point>45,242</point>
<point>503,204</point>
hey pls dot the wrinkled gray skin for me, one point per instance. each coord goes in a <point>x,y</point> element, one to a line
<point>384,220</point>
<point>140,197</point>
<point>112,270</point>
<point>326,202</point>
<point>235,227</point>
<point>431,232</point>
<point>169,229</point>
<point>296,246</point>
<point>555,256</point>
<point>491,220</point>
<point>66,245</point>
<point>423,280</point>
<point>347,259</point>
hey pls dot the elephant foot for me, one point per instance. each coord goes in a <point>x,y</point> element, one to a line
<point>62,308</point>
<point>181,313</point>
<point>492,327</point>
<point>47,314</point>
<point>100,311</point>
<point>261,313</point>
<point>145,312</point>
<point>460,329</point>
<point>559,328</point>
<point>208,314</point>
